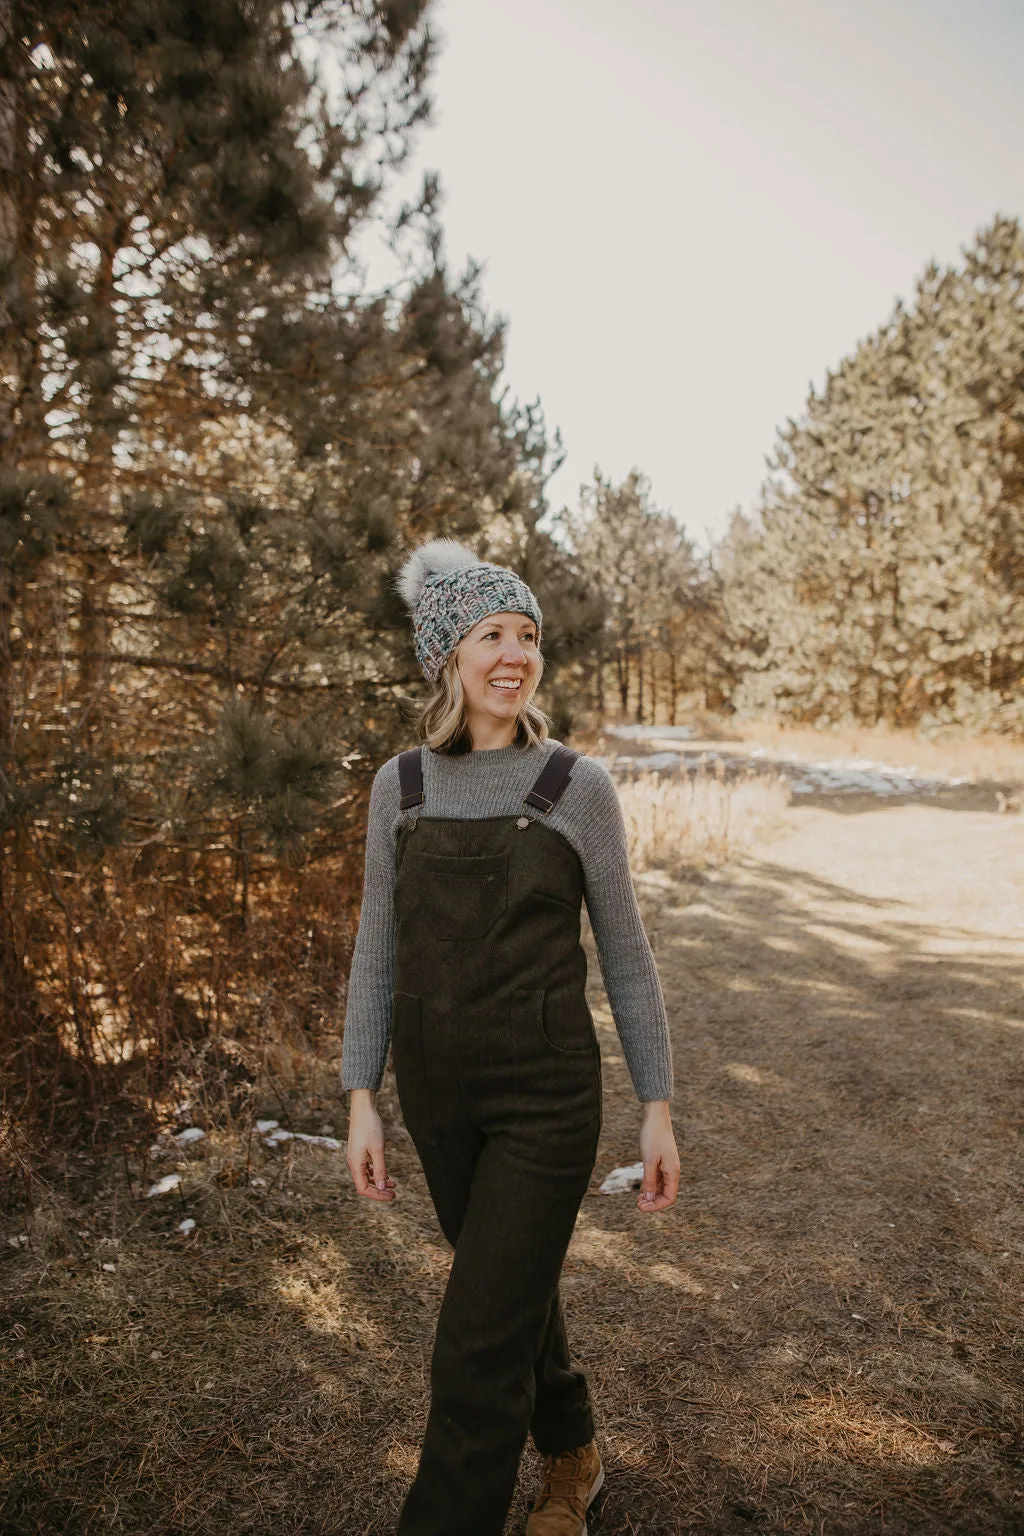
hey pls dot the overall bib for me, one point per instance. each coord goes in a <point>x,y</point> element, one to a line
<point>498,1073</point>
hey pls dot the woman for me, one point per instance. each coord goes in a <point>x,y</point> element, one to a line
<point>481,846</point>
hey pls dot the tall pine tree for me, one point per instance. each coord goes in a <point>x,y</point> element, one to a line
<point>881,581</point>
<point>214,448</point>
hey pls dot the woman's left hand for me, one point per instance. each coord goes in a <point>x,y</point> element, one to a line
<point>660,1156</point>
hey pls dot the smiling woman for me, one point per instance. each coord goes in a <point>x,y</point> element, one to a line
<point>482,843</point>
<point>485,674</point>
<point>483,695</point>
<point>499,666</point>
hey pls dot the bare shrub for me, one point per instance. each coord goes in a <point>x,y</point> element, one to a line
<point>141,979</point>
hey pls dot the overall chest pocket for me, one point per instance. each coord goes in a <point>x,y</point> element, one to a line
<point>456,897</point>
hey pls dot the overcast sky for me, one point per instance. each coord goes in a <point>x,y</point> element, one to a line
<point>689,209</point>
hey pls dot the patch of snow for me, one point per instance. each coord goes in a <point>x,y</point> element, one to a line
<point>263,1126</point>
<point>806,776</point>
<point>623,1178</point>
<point>110,1269</point>
<point>861,775</point>
<point>186,1226</point>
<point>653,732</point>
<point>276,1137</point>
<point>164,1186</point>
<point>185,1138</point>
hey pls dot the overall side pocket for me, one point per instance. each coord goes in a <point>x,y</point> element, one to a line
<point>566,1022</point>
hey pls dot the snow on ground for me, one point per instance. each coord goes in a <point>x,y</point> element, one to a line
<point>274,1134</point>
<point>619,1179</point>
<point>859,775</point>
<point>660,732</point>
<point>164,1186</point>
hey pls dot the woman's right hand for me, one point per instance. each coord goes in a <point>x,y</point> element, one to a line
<point>366,1148</point>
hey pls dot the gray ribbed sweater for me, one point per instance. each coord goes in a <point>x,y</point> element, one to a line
<point>588,815</point>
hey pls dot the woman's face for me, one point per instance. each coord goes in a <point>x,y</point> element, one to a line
<point>497,653</point>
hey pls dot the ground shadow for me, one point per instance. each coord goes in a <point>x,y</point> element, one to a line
<point>823,1335</point>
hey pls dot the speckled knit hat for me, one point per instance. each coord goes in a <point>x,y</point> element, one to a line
<point>448,589</point>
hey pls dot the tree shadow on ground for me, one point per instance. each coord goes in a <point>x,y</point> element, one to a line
<point>823,1335</point>
<point>823,1330</point>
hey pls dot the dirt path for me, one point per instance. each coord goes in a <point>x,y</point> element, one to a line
<point>826,1335</point>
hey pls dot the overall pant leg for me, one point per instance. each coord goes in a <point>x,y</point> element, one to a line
<point>497,1314</point>
<point>563,1414</point>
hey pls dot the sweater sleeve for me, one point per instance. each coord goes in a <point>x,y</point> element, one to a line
<point>627,962</point>
<point>364,1050</point>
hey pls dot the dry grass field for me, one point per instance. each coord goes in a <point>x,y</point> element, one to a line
<point>824,1335</point>
<point>698,819</point>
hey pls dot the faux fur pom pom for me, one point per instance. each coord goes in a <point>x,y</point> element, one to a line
<point>435,555</point>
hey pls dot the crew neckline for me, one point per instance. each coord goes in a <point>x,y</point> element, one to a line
<point>491,754</point>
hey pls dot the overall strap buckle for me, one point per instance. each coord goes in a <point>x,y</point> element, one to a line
<point>410,777</point>
<point>552,779</point>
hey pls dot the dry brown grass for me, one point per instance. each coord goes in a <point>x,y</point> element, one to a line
<point>699,818</point>
<point>823,1336</point>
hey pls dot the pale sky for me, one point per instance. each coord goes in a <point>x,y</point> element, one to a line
<point>688,210</point>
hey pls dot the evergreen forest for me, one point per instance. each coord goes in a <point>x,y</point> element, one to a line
<point>218,441</point>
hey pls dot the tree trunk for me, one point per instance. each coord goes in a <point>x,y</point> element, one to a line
<point>243,866</point>
<point>622,669</point>
<point>8,203</point>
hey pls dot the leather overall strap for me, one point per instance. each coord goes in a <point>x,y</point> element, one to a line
<point>552,779</point>
<point>547,788</point>
<point>410,777</point>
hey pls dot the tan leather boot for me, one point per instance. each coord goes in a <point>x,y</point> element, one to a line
<point>571,1482</point>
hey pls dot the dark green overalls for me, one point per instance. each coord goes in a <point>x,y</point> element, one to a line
<point>498,1072</point>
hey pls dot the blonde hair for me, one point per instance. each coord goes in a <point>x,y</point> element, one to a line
<point>444,727</point>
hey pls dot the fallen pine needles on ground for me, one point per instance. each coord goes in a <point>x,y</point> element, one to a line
<point>823,1336</point>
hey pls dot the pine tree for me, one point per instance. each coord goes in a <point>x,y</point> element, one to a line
<point>646,580</point>
<point>881,579</point>
<point>215,448</point>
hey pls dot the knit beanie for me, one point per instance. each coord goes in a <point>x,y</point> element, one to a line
<point>448,589</point>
